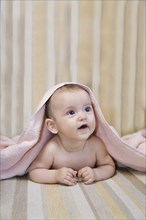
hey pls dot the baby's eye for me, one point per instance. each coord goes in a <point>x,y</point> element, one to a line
<point>71,112</point>
<point>88,109</point>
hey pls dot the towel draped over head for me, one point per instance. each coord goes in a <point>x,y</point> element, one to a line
<point>17,153</point>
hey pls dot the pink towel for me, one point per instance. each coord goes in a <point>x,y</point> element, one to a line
<point>18,153</point>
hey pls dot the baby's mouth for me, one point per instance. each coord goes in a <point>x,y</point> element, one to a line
<point>83,126</point>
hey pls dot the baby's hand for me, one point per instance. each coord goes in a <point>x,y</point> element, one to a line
<point>66,176</point>
<point>87,175</point>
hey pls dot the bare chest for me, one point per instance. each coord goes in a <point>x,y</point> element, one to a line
<point>74,160</point>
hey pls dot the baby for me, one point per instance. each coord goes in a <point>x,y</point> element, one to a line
<point>74,153</point>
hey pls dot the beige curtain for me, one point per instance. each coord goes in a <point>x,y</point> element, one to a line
<point>98,43</point>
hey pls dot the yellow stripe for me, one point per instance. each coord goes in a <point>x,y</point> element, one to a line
<point>117,61</point>
<point>123,197</point>
<point>55,202</point>
<point>50,55</point>
<point>139,118</point>
<point>38,61</point>
<point>70,202</point>
<point>85,42</point>
<point>28,63</point>
<point>131,196</point>
<point>106,56</point>
<point>96,48</point>
<point>110,202</point>
<point>74,40</point>
<point>129,66</point>
<point>8,190</point>
<point>62,29</point>
<point>6,98</point>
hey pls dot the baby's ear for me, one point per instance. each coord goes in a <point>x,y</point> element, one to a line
<point>51,125</point>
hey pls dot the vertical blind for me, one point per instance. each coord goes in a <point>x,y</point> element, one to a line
<point>97,43</point>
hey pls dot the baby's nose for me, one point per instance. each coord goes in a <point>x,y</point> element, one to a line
<point>82,116</point>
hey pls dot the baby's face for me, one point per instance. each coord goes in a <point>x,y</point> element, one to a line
<point>73,114</point>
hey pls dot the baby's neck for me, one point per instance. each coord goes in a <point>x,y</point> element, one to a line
<point>72,145</point>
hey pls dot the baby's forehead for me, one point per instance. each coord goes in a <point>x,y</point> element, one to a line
<point>63,91</point>
<point>68,97</point>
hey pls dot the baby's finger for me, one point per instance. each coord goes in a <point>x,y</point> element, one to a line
<point>69,180</point>
<point>73,172</point>
<point>88,178</point>
<point>82,173</point>
<point>88,181</point>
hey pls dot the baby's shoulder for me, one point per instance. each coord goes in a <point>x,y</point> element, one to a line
<point>96,142</point>
<point>52,144</point>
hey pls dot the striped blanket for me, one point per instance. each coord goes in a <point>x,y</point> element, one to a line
<point>121,197</point>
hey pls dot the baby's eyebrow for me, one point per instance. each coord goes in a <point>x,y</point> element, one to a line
<point>69,108</point>
<point>88,104</point>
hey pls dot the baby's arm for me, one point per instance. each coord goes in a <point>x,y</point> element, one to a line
<point>40,172</point>
<point>105,167</point>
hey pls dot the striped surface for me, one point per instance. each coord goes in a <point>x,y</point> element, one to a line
<point>121,197</point>
<point>98,43</point>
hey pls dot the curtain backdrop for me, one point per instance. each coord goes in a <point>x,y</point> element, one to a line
<point>98,43</point>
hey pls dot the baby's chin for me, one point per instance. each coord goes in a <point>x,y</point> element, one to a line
<point>85,132</point>
<point>84,137</point>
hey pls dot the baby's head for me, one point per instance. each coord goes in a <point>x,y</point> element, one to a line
<point>70,110</point>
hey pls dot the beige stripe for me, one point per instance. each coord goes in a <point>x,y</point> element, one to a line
<point>107,52</point>
<point>137,213</point>
<point>109,200</point>
<point>28,63</point>
<point>17,73</point>
<point>74,40</point>
<point>37,53</point>
<point>122,209</point>
<point>96,202</point>
<point>140,97</point>
<point>133,188</point>
<point>6,67</point>
<point>129,66</point>
<point>116,73</point>
<point>7,198</point>
<point>20,86</point>
<point>15,81</point>
<point>34,201</point>
<point>51,74</point>
<point>96,48</point>
<point>70,203</point>
<point>62,37</point>
<point>3,65</point>
<point>55,203</point>
<point>80,200</point>
<point>139,175</point>
<point>85,54</point>
<point>19,208</point>
<point>45,47</point>
<point>135,181</point>
<point>58,37</point>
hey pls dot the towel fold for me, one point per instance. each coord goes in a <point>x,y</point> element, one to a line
<point>17,153</point>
